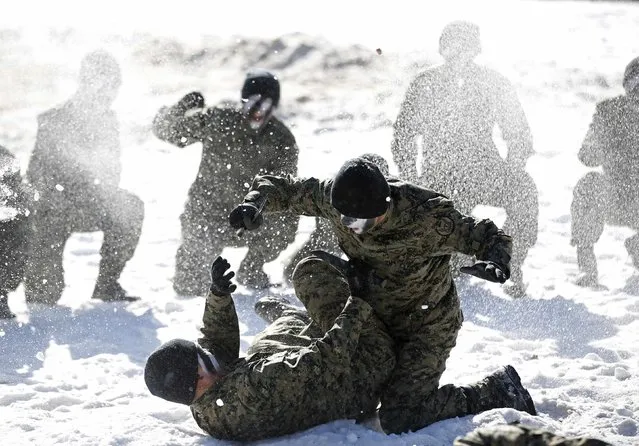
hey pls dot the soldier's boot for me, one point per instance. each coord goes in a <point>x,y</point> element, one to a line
<point>588,276</point>
<point>632,246</point>
<point>501,389</point>
<point>111,291</point>
<point>5,312</point>
<point>270,308</point>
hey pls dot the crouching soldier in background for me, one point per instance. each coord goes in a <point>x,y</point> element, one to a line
<point>612,196</point>
<point>15,208</point>
<point>403,235</point>
<point>237,143</point>
<point>76,167</point>
<point>518,435</point>
<point>296,375</point>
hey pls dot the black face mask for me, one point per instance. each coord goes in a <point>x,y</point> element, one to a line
<point>358,225</point>
<point>258,111</point>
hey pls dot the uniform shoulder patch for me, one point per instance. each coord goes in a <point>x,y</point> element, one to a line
<point>445,226</point>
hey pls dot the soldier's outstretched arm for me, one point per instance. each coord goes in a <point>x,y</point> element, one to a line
<point>405,130</point>
<point>184,123</point>
<point>220,330</point>
<point>300,196</point>
<point>513,125</point>
<point>467,235</point>
<point>597,139</point>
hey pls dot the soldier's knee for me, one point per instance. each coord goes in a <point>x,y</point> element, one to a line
<point>304,268</point>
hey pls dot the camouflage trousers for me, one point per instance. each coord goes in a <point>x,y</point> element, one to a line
<point>116,212</point>
<point>14,236</point>
<point>411,398</point>
<point>206,232</point>
<point>323,291</point>
<point>516,435</point>
<point>596,203</point>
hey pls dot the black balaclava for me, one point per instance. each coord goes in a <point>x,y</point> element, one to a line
<point>360,190</point>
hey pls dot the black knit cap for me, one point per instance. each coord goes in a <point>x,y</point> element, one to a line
<point>171,371</point>
<point>360,190</point>
<point>259,81</point>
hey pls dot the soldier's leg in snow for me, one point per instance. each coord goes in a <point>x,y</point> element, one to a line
<point>511,435</point>
<point>632,246</point>
<point>322,238</point>
<point>521,203</point>
<point>44,278</point>
<point>119,216</point>
<point>588,217</point>
<point>264,245</point>
<point>13,255</point>
<point>413,398</point>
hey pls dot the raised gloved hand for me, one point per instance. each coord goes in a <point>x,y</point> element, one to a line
<point>190,101</point>
<point>246,216</point>
<point>220,282</point>
<point>487,270</point>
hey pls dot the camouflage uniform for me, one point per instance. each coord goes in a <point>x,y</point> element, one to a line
<point>456,116</point>
<point>610,197</point>
<point>517,435</point>
<point>290,381</point>
<point>417,300</point>
<point>75,166</point>
<point>15,208</point>
<point>231,152</point>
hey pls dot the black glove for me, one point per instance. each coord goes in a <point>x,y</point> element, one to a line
<point>220,282</point>
<point>359,275</point>
<point>246,216</point>
<point>487,270</point>
<point>190,101</point>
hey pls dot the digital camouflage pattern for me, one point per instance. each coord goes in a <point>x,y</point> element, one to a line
<point>454,114</point>
<point>417,300</point>
<point>610,197</point>
<point>288,381</point>
<point>518,435</point>
<point>75,167</point>
<point>231,153</point>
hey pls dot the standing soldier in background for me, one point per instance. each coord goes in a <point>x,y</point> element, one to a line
<point>15,208</point>
<point>401,236</point>
<point>454,107</point>
<point>76,167</point>
<point>611,197</point>
<point>237,144</point>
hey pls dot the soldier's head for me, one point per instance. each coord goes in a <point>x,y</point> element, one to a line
<point>100,78</point>
<point>260,97</point>
<point>180,371</point>
<point>631,77</point>
<point>460,42</point>
<point>360,193</point>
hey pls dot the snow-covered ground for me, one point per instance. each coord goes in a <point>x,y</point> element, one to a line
<point>73,374</point>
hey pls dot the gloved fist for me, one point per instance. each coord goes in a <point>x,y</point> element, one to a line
<point>245,216</point>
<point>220,282</point>
<point>487,270</point>
<point>191,100</point>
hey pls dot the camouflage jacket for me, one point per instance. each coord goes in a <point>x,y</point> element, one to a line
<point>410,250</point>
<point>75,148</point>
<point>231,150</point>
<point>456,115</point>
<point>612,141</point>
<point>278,389</point>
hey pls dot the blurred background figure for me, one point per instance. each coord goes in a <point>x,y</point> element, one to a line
<point>76,167</point>
<point>454,108</point>
<point>612,197</point>
<point>15,210</point>
<point>238,142</point>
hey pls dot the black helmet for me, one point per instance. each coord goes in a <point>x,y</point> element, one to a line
<point>460,36</point>
<point>262,82</point>
<point>360,190</point>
